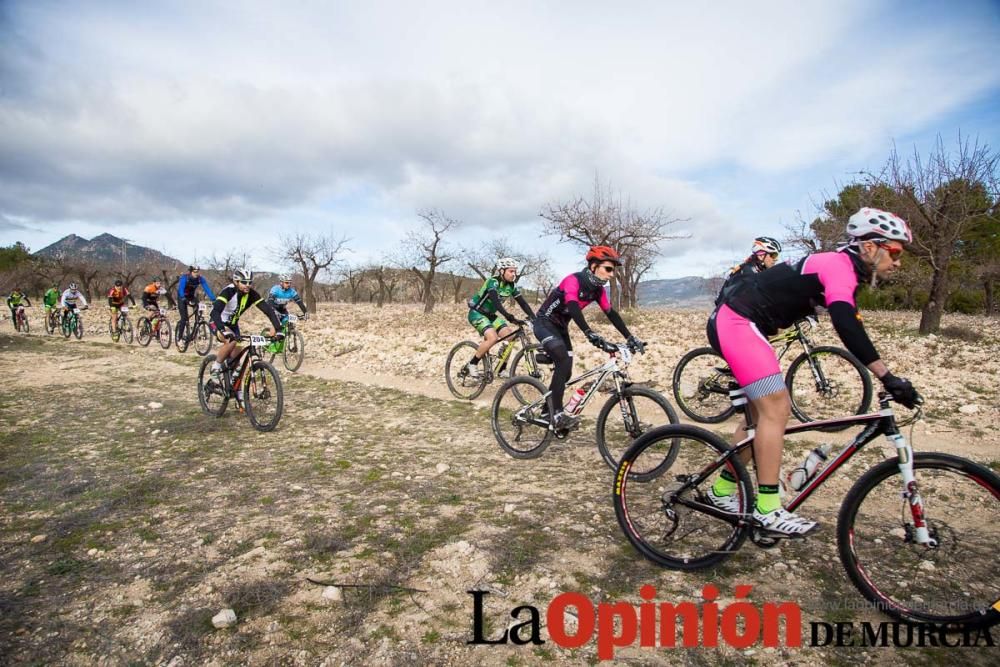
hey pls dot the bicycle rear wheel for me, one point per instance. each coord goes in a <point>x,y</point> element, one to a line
<point>955,582</point>
<point>832,384</point>
<point>516,418</point>
<point>623,419</point>
<point>701,386</point>
<point>67,326</point>
<point>212,397</point>
<point>180,340</point>
<point>263,395</point>
<point>295,351</point>
<point>668,517</point>
<point>202,339</point>
<point>460,383</point>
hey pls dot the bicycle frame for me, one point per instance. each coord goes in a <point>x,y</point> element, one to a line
<point>235,378</point>
<point>616,366</point>
<point>493,369</point>
<point>875,424</point>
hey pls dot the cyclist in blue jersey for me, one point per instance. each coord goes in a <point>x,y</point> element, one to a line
<point>281,294</point>
<point>189,284</point>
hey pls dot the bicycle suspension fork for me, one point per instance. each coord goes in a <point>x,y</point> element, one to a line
<point>904,452</point>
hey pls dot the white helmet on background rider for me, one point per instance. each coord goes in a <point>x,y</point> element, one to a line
<point>869,223</point>
<point>505,263</point>
<point>766,244</point>
<point>284,278</point>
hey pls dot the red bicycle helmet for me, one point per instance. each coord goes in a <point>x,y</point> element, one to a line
<point>603,253</point>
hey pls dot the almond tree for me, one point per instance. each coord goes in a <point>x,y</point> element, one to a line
<point>425,247</point>
<point>608,219</point>
<point>311,255</point>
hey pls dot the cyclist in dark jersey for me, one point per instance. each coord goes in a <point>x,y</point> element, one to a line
<point>186,289</point>
<point>566,302</point>
<point>778,297</point>
<point>763,255</point>
<point>234,300</point>
<point>486,311</point>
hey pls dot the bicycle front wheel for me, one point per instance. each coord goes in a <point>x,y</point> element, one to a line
<point>524,363</point>
<point>668,518</point>
<point>827,383</point>
<point>145,330</point>
<point>460,382</point>
<point>295,351</point>
<point>956,581</point>
<point>202,339</point>
<point>50,324</point>
<point>125,327</point>
<point>165,335</point>
<point>78,328</point>
<point>25,325</point>
<point>211,394</point>
<point>701,386</point>
<point>263,395</point>
<point>518,424</point>
<point>624,418</point>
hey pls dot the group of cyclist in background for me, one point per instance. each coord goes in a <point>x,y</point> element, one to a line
<point>228,306</point>
<point>759,297</point>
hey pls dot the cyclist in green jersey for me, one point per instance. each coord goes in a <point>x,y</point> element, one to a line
<point>486,311</point>
<point>51,300</point>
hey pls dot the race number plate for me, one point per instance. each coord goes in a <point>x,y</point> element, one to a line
<point>124,309</point>
<point>292,317</point>
<point>258,341</point>
<point>202,307</point>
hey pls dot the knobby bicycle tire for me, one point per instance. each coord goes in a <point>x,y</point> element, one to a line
<point>653,514</point>
<point>524,363</point>
<point>181,341</point>
<point>957,581</point>
<point>213,401</point>
<point>165,333</point>
<point>852,381</point>
<point>295,351</point>
<point>125,329</point>
<point>509,414</point>
<point>460,385</point>
<point>144,331</point>
<point>202,339</point>
<point>698,401</point>
<point>262,386</point>
<point>612,449</point>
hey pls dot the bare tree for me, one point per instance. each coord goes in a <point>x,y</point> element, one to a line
<point>942,197</point>
<point>170,284</point>
<point>457,286</point>
<point>427,248</point>
<point>482,258</point>
<point>608,219</point>
<point>354,276</point>
<point>311,255</point>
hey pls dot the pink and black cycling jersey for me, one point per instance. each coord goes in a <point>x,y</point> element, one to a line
<point>784,294</point>
<point>573,287</point>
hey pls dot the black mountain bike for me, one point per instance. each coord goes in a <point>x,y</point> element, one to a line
<point>124,327</point>
<point>248,379</point>
<point>917,533</point>
<point>823,382</point>
<point>468,386</point>
<point>197,332</point>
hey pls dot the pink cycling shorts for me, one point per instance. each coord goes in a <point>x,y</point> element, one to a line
<point>745,348</point>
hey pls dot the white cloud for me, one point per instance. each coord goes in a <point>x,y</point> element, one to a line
<point>129,113</point>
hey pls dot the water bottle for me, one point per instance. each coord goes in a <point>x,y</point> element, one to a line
<point>801,475</point>
<point>575,401</point>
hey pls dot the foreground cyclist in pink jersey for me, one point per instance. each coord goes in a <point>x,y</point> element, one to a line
<point>778,297</point>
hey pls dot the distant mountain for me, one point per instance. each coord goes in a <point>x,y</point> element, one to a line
<point>107,249</point>
<point>688,291</point>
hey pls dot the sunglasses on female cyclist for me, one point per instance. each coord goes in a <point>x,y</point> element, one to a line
<point>610,268</point>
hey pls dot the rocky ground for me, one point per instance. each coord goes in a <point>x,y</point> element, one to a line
<point>130,519</point>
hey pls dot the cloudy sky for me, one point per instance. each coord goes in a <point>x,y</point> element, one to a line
<point>198,126</point>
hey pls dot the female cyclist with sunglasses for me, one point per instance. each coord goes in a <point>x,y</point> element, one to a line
<point>763,303</point>
<point>566,302</point>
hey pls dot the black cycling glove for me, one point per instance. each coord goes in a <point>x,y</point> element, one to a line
<point>636,345</point>
<point>902,390</point>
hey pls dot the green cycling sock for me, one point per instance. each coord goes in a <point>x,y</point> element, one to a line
<point>768,499</point>
<point>725,485</point>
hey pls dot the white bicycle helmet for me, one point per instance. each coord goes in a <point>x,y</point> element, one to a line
<point>765,243</point>
<point>242,275</point>
<point>284,278</point>
<point>869,223</point>
<point>505,263</point>
<point>73,287</point>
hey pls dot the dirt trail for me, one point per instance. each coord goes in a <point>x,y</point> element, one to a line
<point>125,527</point>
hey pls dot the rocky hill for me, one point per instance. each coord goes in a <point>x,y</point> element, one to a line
<point>687,291</point>
<point>108,249</point>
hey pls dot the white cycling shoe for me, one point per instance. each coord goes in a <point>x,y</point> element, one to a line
<point>783,522</point>
<point>730,503</point>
